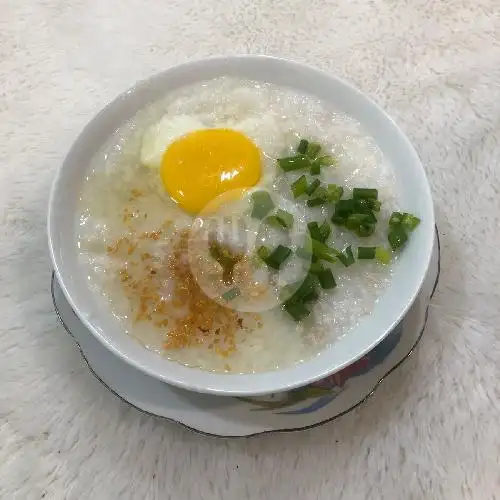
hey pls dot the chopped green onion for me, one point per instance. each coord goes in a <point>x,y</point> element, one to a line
<point>346,257</point>
<point>231,294</point>
<point>365,230</point>
<point>314,231</point>
<point>366,193</point>
<point>370,218</point>
<point>313,150</point>
<point>299,186</point>
<point>312,296</point>
<point>316,268</point>
<point>315,168</point>
<point>278,256</point>
<point>325,229</point>
<point>327,160</point>
<point>297,310</point>
<point>273,221</point>
<point>302,147</point>
<point>354,221</point>
<point>306,287</point>
<point>410,222</point>
<point>383,255</point>
<point>375,205</point>
<point>337,220</point>
<point>366,252</point>
<point>262,204</point>
<point>329,194</point>
<point>344,207</point>
<point>397,237</point>
<point>349,254</point>
<point>396,219</point>
<point>334,193</point>
<point>313,186</point>
<point>326,279</point>
<point>363,206</point>
<point>263,252</point>
<point>316,202</point>
<point>296,162</point>
<point>281,219</point>
<point>324,252</point>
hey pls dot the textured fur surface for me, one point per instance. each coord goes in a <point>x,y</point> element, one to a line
<point>432,430</point>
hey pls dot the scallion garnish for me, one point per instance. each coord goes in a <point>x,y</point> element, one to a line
<point>396,219</point>
<point>363,206</point>
<point>325,229</point>
<point>366,252</point>
<point>383,255</point>
<point>296,162</point>
<point>397,237</point>
<point>399,224</point>
<point>313,186</point>
<point>324,252</point>
<point>327,160</point>
<point>365,193</point>
<point>296,309</point>
<point>312,296</point>
<point>365,230</point>
<point>346,257</point>
<point>353,221</point>
<point>313,150</point>
<point>344,207</point>
<point>357,214</point>
<point>349,254</point>
<point>334,193</point>
<point>281,219</point>
<point>370,218</point>
<point>262,204</point>
<point>316,268</point>
<point>337,220</point>
<point>306,287</point>
<point>299,186</point>
<point>319,197</point>
<point>277,257</point>
<point>410,222</point>
<point>326,279</point>
<point>316,202</point>
<point>314,231</point>
<point>315,168</point>
<point>302,147</point>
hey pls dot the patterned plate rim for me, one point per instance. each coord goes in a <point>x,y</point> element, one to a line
<point>272,431</point>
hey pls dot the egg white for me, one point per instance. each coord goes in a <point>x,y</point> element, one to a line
<point>159,136</point>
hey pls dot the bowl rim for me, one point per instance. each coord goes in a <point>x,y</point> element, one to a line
<point>249,384</point>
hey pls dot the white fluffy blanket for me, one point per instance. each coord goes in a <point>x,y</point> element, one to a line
<point>432,431</point>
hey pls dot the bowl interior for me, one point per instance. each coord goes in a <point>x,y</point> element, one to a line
<point>409,270</point>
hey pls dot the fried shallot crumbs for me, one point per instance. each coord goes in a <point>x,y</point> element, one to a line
<point>187,316</point>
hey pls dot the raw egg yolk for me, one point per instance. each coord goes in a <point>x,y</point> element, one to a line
<point>204,164</point>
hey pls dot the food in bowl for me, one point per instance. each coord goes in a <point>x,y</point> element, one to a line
<point>239,226</point>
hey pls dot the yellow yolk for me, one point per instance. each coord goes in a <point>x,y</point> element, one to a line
<point>207,163</point>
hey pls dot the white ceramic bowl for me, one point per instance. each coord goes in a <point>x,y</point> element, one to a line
<point>410,268</point>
